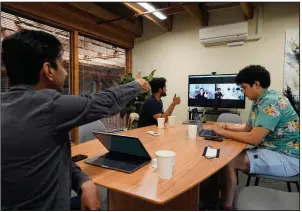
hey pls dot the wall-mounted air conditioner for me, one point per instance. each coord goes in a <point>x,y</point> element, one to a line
<point>224,33</point>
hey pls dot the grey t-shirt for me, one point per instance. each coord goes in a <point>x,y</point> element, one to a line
<point>37,171</point>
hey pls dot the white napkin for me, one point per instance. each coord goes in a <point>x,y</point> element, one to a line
<point>211,153</point>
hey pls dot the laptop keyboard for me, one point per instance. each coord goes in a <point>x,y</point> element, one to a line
<point>120,162</point>
<point>121,159</point>
<point>207,133</point>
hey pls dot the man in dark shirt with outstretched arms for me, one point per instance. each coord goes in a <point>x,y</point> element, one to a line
<point>152,108</point>
<point>37,171</point>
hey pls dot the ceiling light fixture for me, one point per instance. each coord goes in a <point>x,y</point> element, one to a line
<point>151,8</point>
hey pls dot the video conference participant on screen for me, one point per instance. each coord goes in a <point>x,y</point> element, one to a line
<point>239,93</point>
<point>218,94</point>
<point>201,95</point>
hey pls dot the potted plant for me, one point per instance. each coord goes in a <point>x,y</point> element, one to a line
<point>135,105</point>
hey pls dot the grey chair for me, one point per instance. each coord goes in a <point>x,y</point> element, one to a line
<point>259,198</point>
<point>85,134</point>
<point>288,180</point>
<point>230,118</point>
<point>85,131</point>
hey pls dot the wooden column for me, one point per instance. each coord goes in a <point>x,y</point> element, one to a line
<point>75,75</point>
<point>128,61</point>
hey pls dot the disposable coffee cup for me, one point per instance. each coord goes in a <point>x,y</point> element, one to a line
<point>161,123</point>
<point>172,121</point>
<point>192,131</point>
<point>165,163</point>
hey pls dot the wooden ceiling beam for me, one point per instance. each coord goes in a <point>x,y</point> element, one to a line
<point>196,12</point>
<point>91,17</point>
<point>139,10</point>
<point>247,10</point>
<point>99,12</point>
<point>52,14</point>
<point>175,10</point>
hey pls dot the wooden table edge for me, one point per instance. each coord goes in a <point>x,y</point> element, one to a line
<point>171,198</point>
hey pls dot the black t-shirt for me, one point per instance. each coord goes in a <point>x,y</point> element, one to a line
<point>200,97</point>
<point>218,95</point>
<point>150,107</point>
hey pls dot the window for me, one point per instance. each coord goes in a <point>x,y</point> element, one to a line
<point>101,66</point>
<point>11,23</point>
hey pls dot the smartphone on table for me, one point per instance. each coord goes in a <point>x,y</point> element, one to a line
<point>78,158</point>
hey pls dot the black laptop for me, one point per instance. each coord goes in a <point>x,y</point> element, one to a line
<point>126,153</point>
<point>202,132</point>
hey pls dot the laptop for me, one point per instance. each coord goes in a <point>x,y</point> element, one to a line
<point>194,114</point>
<point>126,154</point>
<point>203,132</point>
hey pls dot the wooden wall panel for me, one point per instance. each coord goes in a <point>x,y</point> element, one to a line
<point>129,61</point>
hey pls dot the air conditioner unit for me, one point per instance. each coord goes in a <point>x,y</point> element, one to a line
<point>224,33</point>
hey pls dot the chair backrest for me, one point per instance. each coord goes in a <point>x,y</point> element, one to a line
<point>85,131</point>
<point>230,118</point>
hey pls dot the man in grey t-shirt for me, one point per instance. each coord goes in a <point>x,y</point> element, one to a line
<point>36,166</point>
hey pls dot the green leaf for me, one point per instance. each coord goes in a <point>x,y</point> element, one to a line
<point>128,78</point>
<point>131,107</point>
<point>150,77</point>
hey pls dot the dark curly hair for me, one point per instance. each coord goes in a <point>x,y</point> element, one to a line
<point>253,73</point>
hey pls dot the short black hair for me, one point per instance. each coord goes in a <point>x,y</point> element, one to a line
<point>253,73</point>
<point>25,52</point>
<point>157,83</point>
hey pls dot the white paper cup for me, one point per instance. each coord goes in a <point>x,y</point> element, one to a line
<point>165,163</point>
<point>172,121</point>
<point>192,131</point>
<point>161,123</point>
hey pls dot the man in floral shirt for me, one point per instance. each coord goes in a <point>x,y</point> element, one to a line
<point>272,127</point>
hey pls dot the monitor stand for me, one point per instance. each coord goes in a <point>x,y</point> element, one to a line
<point>216,111</point>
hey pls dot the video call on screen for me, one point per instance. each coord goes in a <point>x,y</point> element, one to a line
<point>215,91</point>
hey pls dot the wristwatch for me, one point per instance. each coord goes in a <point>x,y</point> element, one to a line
<point>225,127</point>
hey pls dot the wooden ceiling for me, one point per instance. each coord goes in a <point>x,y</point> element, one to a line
<point>114,22</point>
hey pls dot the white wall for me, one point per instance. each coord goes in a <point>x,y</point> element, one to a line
<point>179,53</point>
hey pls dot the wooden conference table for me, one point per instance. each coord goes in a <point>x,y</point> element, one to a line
<point>143,189</point>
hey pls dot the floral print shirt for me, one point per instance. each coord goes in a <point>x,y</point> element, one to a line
<point>275,113</point>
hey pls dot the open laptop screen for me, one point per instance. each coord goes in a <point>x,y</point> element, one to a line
<point>122,144</point>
